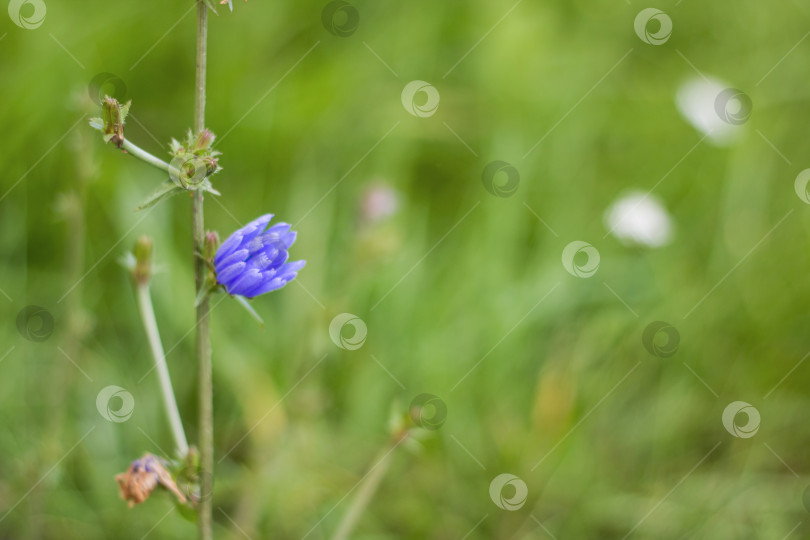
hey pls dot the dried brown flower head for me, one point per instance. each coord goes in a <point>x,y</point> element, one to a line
<point>142,477</point>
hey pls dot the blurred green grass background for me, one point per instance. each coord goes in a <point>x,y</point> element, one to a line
<point>626,441</point>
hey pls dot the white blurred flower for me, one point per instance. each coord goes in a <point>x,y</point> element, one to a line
<point>697,102</point>
<point>639,218</point>
<point>379,202</point>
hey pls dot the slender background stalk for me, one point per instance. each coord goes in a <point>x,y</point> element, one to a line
<point>206,423</point>
<point>152,334</point>
<point>368,487</point>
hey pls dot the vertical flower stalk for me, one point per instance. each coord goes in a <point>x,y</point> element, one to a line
<point>142,273</point>
<point>206,420</point>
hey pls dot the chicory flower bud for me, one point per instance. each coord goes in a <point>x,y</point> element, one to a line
<point>253,260</point>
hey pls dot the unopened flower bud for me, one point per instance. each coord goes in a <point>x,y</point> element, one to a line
<point>113,115</point>
<point>253,260</point>
<point>211,245</point>
<point>142,271</point>
<point>211,165</point>
<point>204,140</point>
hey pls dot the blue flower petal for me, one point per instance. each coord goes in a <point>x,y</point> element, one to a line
<point>265,260</point>
<point>271,237</point>
<point>278,229</point>
<point>229,273</point>
<point>281,258</point>
<point>289,239</point>
<point>266,287</point>
<point>294,266</point>
<point>240,255</point>
<point>259,223</point>
<point>255,228</point>
<point>247,281</point>
<point>228,246</point>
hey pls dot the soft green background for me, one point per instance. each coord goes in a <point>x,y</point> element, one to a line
<point>463,291</point>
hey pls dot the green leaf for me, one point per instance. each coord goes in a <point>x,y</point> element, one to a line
<point>244,303</point>
<point>205,185</point>
<point>186,512</point>
<point>175,147</point>
<point>205,292</point>
<point>166,190</point>
<point>125,110</point>
<point>210,4</point>
<point>97,123</point>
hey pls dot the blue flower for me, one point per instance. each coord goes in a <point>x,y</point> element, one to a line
<point>253,261</point>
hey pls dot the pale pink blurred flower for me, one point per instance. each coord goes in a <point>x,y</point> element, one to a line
<point>380,201</point>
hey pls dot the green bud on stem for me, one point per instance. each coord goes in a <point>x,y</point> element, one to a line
<point>142,271</point>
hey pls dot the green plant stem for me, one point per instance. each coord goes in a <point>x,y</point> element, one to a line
<point>169,401</point>
<point>143,155</point>
<point>206,438</point>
